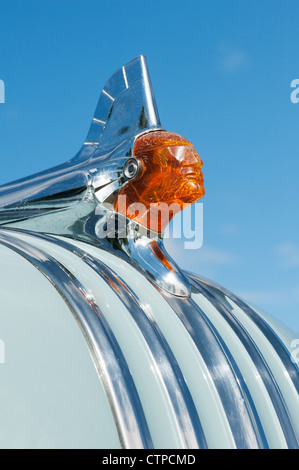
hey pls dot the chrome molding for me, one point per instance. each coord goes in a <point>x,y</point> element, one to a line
<point>291,368</point>
<point>236,400</point>
<point>184,410</point>
<point>259,361</point>
<point>107,355</point>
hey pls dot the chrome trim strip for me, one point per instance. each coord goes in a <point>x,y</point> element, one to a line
<point>187,419</point>
<point>232,390</point>
<point>291,368</point>
<point>259,361</point>
<point>106,353</point>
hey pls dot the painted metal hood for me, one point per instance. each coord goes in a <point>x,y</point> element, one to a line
<point>196,372</point>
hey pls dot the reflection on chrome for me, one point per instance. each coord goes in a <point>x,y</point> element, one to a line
<point>125,150</point>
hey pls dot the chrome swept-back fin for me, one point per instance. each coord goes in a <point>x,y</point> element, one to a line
<point>128,89</point>
<point>126,108</point>
<point>71,199</point>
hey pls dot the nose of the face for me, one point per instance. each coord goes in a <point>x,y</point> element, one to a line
<point>192,162</point>
<point>194,158</point>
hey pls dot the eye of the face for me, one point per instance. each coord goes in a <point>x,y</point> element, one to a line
<point>131,168</point>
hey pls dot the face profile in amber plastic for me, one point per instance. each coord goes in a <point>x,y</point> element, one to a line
<point>170,180</point>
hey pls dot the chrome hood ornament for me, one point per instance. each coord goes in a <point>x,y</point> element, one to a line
<point>126,160</point>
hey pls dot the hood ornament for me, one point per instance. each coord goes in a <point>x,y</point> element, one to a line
<point>122,188</point>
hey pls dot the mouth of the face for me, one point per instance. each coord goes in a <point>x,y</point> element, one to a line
<point>192,188</point>
<point>194,174</point>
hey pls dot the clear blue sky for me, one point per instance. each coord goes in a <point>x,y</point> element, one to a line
<point>221,71</point>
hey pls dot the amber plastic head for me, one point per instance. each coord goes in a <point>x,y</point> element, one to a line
<point>169,179</point>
